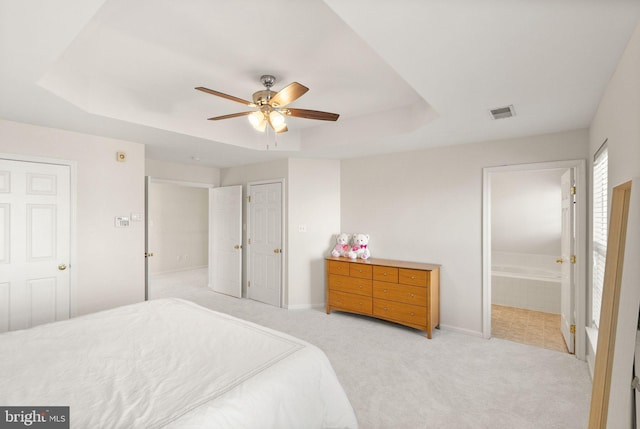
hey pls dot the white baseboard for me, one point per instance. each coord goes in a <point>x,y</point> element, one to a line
<point>304,306</point>
<point>461,330</point>
<point>178,270</point>
<point>592,345</point>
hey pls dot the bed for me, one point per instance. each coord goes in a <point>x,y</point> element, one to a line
<point>173,364</point>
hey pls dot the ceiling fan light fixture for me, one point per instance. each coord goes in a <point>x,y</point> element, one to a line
<point>258,121</point>
<point>277,119</point>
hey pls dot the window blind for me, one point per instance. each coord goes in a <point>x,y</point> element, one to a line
<point>600,214</point>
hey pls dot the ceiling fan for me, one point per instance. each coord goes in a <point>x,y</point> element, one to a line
<point>272,106</point>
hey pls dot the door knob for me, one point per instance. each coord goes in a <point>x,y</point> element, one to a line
<point>276,250</point>
<point>559,261</point>
<point>62,267</point>
<point>237,246</point>
<point>148,255</point>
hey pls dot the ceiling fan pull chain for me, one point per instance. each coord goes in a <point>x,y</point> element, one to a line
<point>266,135</point>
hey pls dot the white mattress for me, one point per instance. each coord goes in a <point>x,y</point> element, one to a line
<point>171,363</point>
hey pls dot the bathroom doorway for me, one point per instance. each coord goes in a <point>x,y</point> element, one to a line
<point>527,299</point>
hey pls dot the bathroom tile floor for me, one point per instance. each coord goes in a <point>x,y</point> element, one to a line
<point>527,326</point>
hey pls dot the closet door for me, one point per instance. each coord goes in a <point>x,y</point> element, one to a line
<point>265,243</point>
<point>225,240</point>
<point>35,237</point>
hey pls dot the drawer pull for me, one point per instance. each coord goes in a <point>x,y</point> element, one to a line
<point>360,286</point>
<point>412,295</point>
<point>413,314</point>
<point>385,309</point>
<point>384,274</point>
<point>385,291</point>
<point>413,277</point>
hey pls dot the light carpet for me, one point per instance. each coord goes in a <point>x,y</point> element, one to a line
<point>396,378</point>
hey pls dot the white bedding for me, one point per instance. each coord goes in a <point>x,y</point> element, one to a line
<point>171,363</point>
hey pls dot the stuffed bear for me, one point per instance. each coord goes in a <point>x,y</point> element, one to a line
<point>359,249</point>
<point>342,245</point>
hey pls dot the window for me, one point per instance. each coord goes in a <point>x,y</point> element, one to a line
<point>600,213</point>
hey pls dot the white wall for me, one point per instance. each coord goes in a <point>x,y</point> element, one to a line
<point>109,264</point>
<point>618,120</point>
<point>178,219</point>
<point>526,212</point>
<point>314,201</point>
<point>427,206</point>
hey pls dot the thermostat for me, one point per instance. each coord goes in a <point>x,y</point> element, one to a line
<point>122,221</point>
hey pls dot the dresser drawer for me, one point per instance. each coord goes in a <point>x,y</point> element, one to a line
<point>350,302</point>
<point>360,270</point>
<point>412,277</point>
<point>337,267</point>
<point>404,313</point>
<point>385,274</point>
<point>350,284</point>
<point>400,293</point>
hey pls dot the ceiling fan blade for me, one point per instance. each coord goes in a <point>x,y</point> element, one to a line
<point>288,94</point>
<point>232,115</point>
<point>223,95</point>
<point>312,114</point>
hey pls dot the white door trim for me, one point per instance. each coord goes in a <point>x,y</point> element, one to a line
<point>283,279</point>
<point>73,169</point>
<point>181,183</point>
<point>582,263</point>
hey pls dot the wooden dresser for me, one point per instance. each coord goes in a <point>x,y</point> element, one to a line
<point>407,293</point>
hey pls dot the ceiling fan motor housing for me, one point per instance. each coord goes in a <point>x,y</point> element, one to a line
<point>261,98</point>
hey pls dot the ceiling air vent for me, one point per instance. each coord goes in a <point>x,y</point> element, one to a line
<point>503,112</point>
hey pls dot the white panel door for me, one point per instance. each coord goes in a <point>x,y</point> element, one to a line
<point>225,240</point>
<point>265,243</point>
<point>35,237</point>
<point>567,260</point>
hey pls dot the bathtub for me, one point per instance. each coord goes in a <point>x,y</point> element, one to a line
<point>522,272</point>
<point>532,288</point>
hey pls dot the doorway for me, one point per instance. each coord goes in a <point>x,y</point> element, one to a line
<point>527,285</point>
<point>177,238</point>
